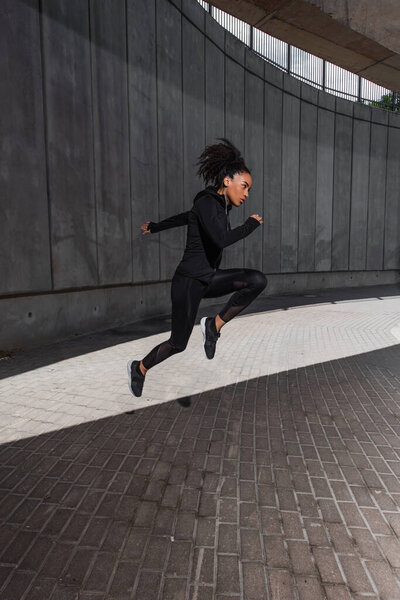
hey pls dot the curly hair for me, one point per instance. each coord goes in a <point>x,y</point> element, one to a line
<point>219,160</point>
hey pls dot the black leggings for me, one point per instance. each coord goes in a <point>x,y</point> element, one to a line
<point>186,294</point>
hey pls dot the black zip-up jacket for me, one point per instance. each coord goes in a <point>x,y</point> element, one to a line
<point>209,231</point>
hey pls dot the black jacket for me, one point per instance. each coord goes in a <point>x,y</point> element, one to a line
<point>209,231</point>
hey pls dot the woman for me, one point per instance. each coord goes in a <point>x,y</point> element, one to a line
<point>197,276</point>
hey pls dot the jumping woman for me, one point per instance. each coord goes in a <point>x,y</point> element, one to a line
<point>197,276</point>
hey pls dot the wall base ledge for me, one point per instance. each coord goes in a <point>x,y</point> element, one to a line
<point>36,320</point>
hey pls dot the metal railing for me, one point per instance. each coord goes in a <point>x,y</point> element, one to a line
<point>307,67</point>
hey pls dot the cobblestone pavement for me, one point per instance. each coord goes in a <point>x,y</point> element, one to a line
<point>271,472</point>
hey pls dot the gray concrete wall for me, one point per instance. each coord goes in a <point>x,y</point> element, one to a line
<point>106,105</point>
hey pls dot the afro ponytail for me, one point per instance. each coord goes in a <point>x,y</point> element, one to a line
<point>219,160</point>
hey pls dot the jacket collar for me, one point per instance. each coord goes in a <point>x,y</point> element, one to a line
<point>220,197</point>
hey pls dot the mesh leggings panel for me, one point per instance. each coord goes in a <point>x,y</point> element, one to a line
<point>159,353</point>
<point>246,284</point>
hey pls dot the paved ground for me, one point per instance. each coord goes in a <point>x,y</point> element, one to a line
<point>271,472</point>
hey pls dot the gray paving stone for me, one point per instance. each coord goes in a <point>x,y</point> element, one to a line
<point>254,581</point>
<point>275,552</point>
<point>100,572</point>
<point>203,567</point>
<point>228,574</point>
<point>174,589</point>
<point>282,585</point>
<point>179,559</point>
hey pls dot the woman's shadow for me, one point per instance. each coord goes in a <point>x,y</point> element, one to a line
<point>185,401</point>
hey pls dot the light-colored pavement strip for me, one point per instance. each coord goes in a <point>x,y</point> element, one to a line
<point>94,385</point>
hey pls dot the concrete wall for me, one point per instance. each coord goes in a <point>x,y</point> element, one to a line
<point>106,105</point>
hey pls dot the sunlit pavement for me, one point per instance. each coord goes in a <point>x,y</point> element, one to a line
<point>271,471</point>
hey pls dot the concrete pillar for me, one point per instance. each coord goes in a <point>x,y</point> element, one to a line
<point>254,155</point>
<point>170,142</point>
<point>307,177</point>
<point>234,129</point>
<point>272,129</point>
<point>342,185</point>
<point>193,108</point>
<point>376,196</point>
<point>143,147</point>
<point>69,123</point>
<point>324,182</point>
<point>392,214</point>
<point>25,254</point>
<point>214,80</point>
<point>111,140</point>
<point>359,187</point>
<point>290,174</point>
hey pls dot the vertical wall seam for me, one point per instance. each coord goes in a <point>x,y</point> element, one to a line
<point>351,193</point>
<point>333,184</point>
<point>182,128</point>
<point>181,231</point>
<point>245,72</point>
<point>224,258</point>
<point>157,170</point>
<point>129,135</point>
<point>315,188</point>
<point>205,79</point>
<point>281,177</point>
<point>350,266</point>
<point>384,210</point>
<point>244,79</point>
<point>224,83</point>
<point>46,141</point>
<point>299,187</point>
<point>369,177</point>
<point>263,175</point>
<point>316,183</point>
<point>93,144</point>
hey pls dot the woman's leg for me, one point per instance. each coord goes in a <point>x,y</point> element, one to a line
<point>246,284</point>
<point>186,294</point>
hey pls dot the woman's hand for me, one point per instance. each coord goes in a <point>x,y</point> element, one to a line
<point>257,217</point>
<point>145,228</point>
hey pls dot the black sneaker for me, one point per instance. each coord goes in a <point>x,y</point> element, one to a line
<point>210,336</point>
<point>136,377</point>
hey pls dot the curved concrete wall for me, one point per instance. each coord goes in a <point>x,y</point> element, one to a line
<point>108,104</point>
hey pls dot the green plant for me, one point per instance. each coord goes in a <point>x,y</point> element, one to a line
<point>389,101</point>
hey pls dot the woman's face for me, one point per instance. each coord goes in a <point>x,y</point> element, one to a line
<point>237,188</point>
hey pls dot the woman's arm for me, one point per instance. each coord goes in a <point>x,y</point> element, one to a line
<point>213,220</point>
<point>174,221</point>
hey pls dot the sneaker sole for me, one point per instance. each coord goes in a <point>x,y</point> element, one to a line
<point>203,329</point>
<point>128,366</point>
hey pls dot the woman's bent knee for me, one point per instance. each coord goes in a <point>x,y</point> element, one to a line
<point>178,347</point>
<point>259,280</point>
